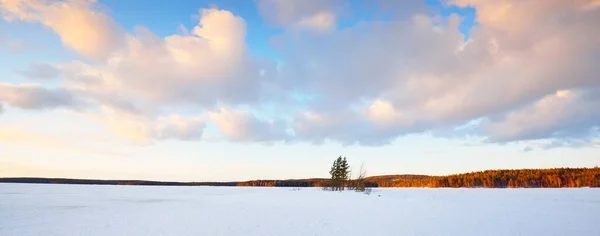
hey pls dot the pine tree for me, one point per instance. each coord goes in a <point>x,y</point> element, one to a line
<point>339,173</point>
<point>344,172</point>
<point>335,173</point>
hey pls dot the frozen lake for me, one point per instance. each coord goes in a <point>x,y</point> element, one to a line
<point>28,209</point>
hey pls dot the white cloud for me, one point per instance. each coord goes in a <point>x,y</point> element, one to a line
<point>209,65</point>
<point>136,82</point>
<point>384,113</point>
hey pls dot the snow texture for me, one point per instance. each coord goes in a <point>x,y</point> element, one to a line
<point>30,209</point>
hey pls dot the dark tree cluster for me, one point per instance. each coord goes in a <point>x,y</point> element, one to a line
<point>340,173</point>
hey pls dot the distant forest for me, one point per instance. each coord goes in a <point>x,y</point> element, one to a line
<point>525,178</point>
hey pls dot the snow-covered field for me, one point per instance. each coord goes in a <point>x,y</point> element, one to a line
<point>28,209</point>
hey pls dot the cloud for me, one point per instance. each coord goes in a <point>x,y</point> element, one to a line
<point>398,9</point>
<point>342,73</point>
<point>345,127</point>
<point>377,124</point>
<point>427,71</point>
<point>323,15</point>
<point>176,127</point>
<point>34,96</point>
<point>146,129</point>
<point>208,65</point>
<point>322,21</point>
<point>586,142</point>
<point>133,84</point>
<point>79,24</point>
<point>40,71</point>
<point>367,83</point>
<point>243,126</point>
<point>384,113</point>
<point>310,14</point>
<point>565,114</point>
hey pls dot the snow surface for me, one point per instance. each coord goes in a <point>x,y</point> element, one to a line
<point>30,209</point>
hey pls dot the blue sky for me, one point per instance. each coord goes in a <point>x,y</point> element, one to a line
<point>233,90</point>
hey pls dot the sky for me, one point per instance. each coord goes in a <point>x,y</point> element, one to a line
<point>210,90</point>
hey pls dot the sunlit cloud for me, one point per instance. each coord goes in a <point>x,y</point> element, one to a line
<point>370,81</point>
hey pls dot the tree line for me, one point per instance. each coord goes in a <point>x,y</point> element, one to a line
<point>524,178</point>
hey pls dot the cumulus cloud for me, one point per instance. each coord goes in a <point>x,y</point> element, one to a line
<point>210,64</point>
<point>243,126</point>
<point>79,24</point>
<point>384,113</point>
<point>137,77</point>
<point>427,71</point>
<point>34,96</point>
<point>368,83</point>
<point>40,71</point>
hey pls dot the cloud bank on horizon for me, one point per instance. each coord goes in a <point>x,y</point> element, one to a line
<point>528,70</point>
